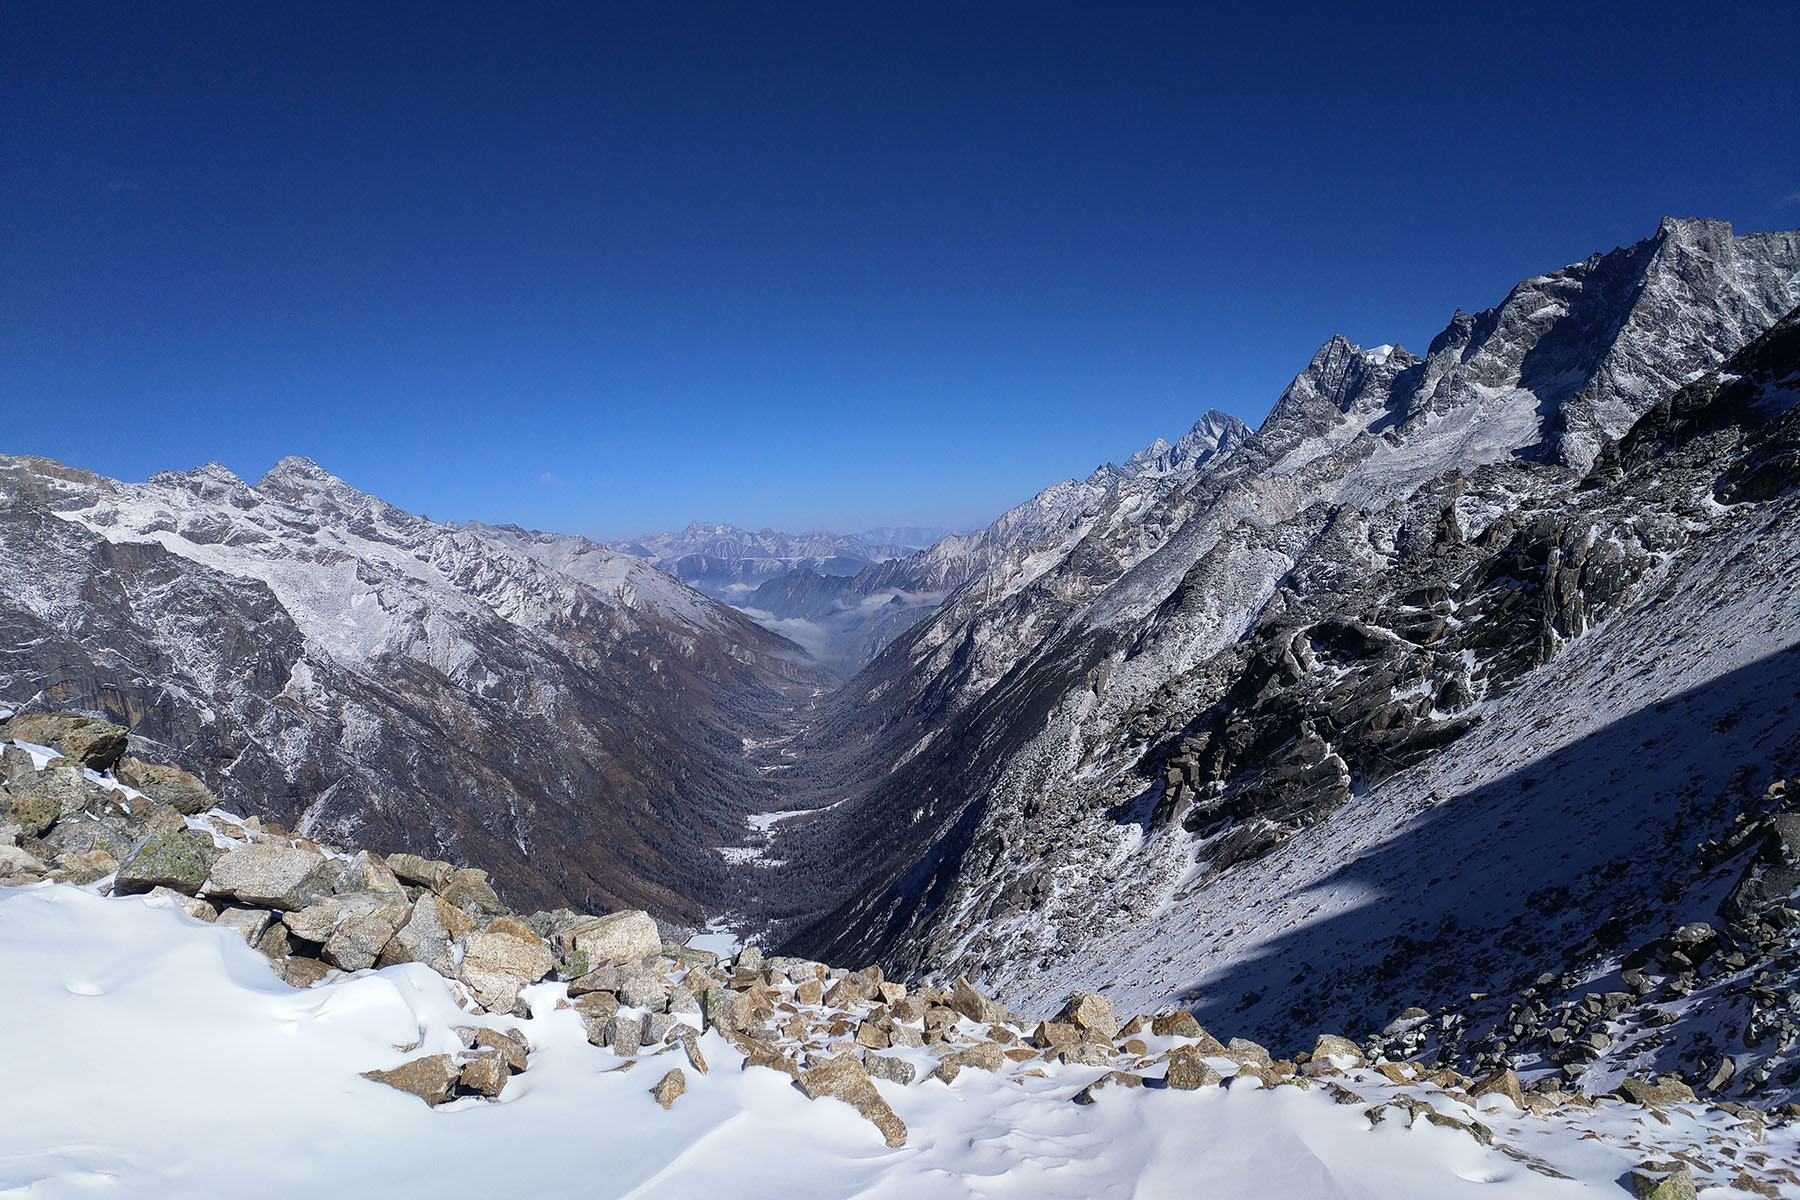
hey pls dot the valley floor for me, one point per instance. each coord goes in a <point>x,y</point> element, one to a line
<point>152,1055</point>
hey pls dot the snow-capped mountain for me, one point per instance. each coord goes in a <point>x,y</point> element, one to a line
<point>540,705</point>
<point>846,622</point>
<point>726,562</point>
<point>1174,749</point>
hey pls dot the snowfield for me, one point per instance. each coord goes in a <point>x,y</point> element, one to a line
<point>153,1055</point>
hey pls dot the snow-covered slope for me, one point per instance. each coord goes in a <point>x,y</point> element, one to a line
<point>203,1075</point>
<point>1237,676</point>
<point>539,704</point>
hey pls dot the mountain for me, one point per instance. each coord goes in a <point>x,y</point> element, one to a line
<point>846,622</point>
<point>1396,675</point>
<point>540,706</point>
<point>726,562</point>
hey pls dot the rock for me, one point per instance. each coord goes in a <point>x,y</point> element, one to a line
<point>1656,1181</point>
<point>65,785</point>
<point>468,889</point>
<point>269,875</point>
<point>984,1056</point>
<point>968,1001</point>
<point>758,1055</point>
<point>423,872</point>
<point>511,1048</point>
<point>1112,1079</point>
<point>368,922</point>
<point>301,972</point>
<point>1054,1033</point>
<point>17,768</point>
<point>428,936</point>
<point>690,1045</point>
<point>658,1026</point>
<point>1180,1024</point>
<point>669,1087</point>
<point>872,1034</point>
<point>886,1066</point>
<point>166,785</point>
<point>1503,1082</point>
<point>726,1010</point>
<point>251,923</point>
<point>19,866</point>
<point>429,1078</point>
<point>1341,1052</point>
<point>368,872</point>
<point>644,989</point>
<point>749,958</point>
<point>597,1010</point>
<point>83,867</point>
<point>617,938</point>
<point>1665,1090</point>
<point>625,1035</point>
<point>177,859</point>
<point>1243,1050</point>
<point>485,1074</point>
<point>190,905</point>
<point>843,1078</point>
<point>34,812</point>
<point>1091,1013</point>
<point>88,740</point>
<point>1189,1070</point>
<point>509,946</point>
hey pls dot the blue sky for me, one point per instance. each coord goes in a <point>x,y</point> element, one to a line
<point>608,268</point>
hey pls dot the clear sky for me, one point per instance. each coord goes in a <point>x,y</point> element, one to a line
<point>611,267</point>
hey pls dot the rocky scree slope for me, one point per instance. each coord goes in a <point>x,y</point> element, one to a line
<point>537,705</point>
<point>1193,730</point>
<point>320,916</point>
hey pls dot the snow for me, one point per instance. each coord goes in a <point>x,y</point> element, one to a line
<point>153,1055</point>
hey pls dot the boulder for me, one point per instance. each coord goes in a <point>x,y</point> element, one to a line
<point>886,1066</point>
<point>625,1035</point>
<point>365,922</point>
<point>1663,1181</point>
<point>621,937</point>
<point>88,740</point>
<point>423,872</point>
<point>251,923</point>
<point>1188,1070</point>
<point>1091,1013</point>
<point>429,1078</point>
<point>1179,1024</point>
<point>843,1078</point>
<point>180,859</point>
<point>469,890</point>
<point>1666,1089</point>
<point>690,1045</point>
<point>1054,1033</point>
<point>270,875</point>
<point>1503,1082</point>
<point>83,867</point>
<point>669,1087</point>
<point>484,1073</point>
<point>512,1049</point>
<point>1112,1079</point>
<point>166,785</point>
<point>170,898</point>
<point>19,866</point>
<point>34,812</point>
<point>17,768</point>
<point>428,936</point>
<point>1340,1052</point>
<point>967,1000</point>
<point>511,947</point>
<point>301,972</point>
<point>597,1009</point>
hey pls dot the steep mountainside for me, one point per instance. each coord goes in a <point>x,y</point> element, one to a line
<point>569,717</point>
<point>846,622</point>
<point>1085,762</point>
